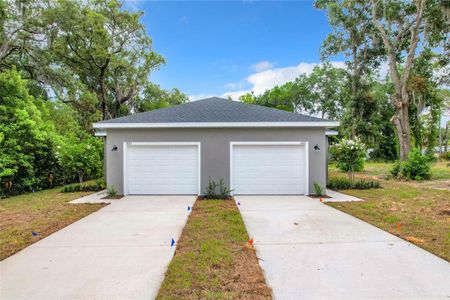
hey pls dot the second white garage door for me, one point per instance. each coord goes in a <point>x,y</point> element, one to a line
<point>162,168</point>
<point>269,168</point>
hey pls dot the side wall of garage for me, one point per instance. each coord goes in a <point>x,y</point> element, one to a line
<point>215,148</point>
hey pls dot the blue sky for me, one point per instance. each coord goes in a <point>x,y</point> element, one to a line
<point>232,47</point>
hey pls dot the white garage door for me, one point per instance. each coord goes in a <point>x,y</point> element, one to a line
<point>258,168</point>
<point>162,168</point>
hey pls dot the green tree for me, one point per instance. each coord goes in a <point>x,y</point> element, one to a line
<point>403,26</point>
<point>352,35</point>
<point>154,97</point>
<point>328,90</point>
<point>322,92</point>
<point>25,142</point>
<point>350,156</point>
<point>81,157</point>
<point>105,47</point>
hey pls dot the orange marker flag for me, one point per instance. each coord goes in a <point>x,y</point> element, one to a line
<point>321,199</point>
<point>398,227</point>
<point>250,241</point>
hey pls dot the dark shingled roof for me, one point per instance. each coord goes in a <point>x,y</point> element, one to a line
<point>214,110</point>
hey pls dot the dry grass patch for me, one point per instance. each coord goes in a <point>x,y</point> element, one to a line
<point>211,260</point>
<point>43,212</point>
<point>421,209</point>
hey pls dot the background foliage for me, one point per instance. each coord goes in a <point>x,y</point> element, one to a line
<point>64,65</point>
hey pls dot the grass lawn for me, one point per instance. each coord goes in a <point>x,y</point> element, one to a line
<point>211,260</point>
<point>421,208</point>
<point>43,212</point>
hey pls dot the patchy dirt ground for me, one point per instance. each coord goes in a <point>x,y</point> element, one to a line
<point>213,259</point>
<point>415,211</point>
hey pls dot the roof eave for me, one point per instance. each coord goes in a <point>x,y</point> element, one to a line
<point>326,124</point>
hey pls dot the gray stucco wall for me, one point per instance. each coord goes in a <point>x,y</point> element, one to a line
<point>215,148</point>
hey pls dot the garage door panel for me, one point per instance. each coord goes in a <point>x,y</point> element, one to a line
<point>268,169</point>
<point>162,169</point>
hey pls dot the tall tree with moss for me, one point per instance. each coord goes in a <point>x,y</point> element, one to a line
<point>353,36</point>
<point>404,28</point>
<point>407,27</point>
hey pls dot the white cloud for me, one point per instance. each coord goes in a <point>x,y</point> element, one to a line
<point>262,81</point>
<point>261,66</point>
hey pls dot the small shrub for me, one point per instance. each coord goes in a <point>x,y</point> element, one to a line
<point>318,189</point>
<point>339,183</point>
<point>101,184</point>
<point>350,156</point>
<point>72,188</point>
<point>366,184</point>
<point>417,166</point>
<point>210,189</point>
<point>396,168</point>
<point>217,190</point>
<point>342,183</point>
<point>224,191</point>
<point>445,156</point>
<point>111,191</point>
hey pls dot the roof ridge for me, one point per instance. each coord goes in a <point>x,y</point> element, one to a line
<point>215,109</point>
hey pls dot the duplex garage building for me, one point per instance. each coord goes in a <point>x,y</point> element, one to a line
<point>176,150</point>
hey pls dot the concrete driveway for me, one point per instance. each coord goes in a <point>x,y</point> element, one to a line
<point>119,252</point>
<point>311,251</point>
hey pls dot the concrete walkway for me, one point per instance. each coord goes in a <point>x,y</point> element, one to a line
<point>119,252</point>
<point>311,251</point>
<point>93,198</point>
<point>339,197</point>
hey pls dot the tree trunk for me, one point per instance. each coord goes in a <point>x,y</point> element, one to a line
<point>401,124</point>
<point>80,177</point>
<point>446,137</point>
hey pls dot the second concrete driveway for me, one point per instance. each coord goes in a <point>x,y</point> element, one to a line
<point>311,251</point>
<point>119,252</point>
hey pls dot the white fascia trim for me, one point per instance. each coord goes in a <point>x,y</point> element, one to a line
<point>100,133</point>
<point>267,143</point>
<point>331,132</point>
<point>165,144</point>
<point>216,124</point>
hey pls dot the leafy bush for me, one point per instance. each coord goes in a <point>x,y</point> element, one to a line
<point>445,155</point>
<point>318,189</point>
<point>417,166</point>
<point>366,184</point>
<point>396,168</point>
<point>342,183</point>
<point>349,156</point>
<point>35,153</point>
<point>81,158</point>
<point>339,183</point>
<point>71,188</point>
<point>111,191</point>
<point>217,190</point>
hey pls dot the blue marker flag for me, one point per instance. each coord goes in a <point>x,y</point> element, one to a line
<point>189,208</point>
<point>172,243</point>
<point>34,233</point>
